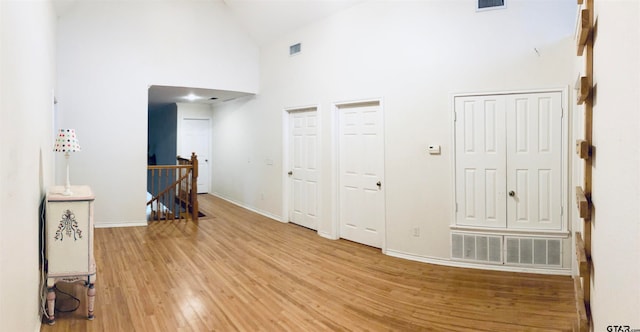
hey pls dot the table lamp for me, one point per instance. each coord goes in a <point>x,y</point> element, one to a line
<point>67,141</point>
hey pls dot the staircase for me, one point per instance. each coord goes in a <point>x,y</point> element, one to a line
<point>173,190</point>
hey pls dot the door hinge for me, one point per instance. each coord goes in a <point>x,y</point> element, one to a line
<point>562,210</point>
<point>456,206</point>
<point>455,116</point>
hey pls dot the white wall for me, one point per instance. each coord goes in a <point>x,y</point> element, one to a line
<point>109,53</point>
<point>246,134</point>
<point>413,55</point>
<point>27,76</point>
<point>616,173</point>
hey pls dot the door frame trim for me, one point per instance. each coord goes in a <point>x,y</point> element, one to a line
<point>567,213</point>
<point>335,165</point>
<point>286,159</point>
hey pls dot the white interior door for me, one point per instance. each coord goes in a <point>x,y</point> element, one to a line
<point>509,161</point>
<point>303,171</point>
<point>480,161</point>
<point>196,137</point>
<point>534,159</point>
<point>361,169</point>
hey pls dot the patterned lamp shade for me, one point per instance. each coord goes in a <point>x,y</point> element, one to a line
<point>66,141</point>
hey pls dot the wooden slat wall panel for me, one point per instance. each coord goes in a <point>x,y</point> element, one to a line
<point>584,29</point>
<point>584,147</point>
<point>581,254</point>
<point>583,203</point>
<point>582,323</point>
<point>584,90</point>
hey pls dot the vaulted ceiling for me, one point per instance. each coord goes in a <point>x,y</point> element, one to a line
<point>264,21</point>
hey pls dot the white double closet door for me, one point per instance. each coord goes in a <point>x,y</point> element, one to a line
<point>509,161</point>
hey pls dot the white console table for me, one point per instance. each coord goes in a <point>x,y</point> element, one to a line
<point>69,243</point>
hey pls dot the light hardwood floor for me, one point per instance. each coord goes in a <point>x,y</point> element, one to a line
<point>236,270</point>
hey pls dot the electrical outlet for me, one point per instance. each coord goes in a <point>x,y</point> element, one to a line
<point>416,232</point>
<point>433,149</point>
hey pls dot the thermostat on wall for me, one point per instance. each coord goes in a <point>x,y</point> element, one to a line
<point>434,149</point>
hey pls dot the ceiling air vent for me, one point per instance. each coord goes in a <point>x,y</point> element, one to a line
<point>491,4</point>
<point>295,49</point>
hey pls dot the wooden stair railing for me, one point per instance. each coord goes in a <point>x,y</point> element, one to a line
<point>192,194</point>
<point>174,190</point>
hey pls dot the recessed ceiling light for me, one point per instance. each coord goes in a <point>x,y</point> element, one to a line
<point>191,97</point>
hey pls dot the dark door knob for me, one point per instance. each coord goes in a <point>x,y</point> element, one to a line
<point>512,193</point>
<point>379,184</point>
<point>290,173</point>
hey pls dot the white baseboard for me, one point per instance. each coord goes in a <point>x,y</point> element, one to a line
<point>252,209</point>
<point>447,262</point>
<point>327,236</point>
<point>120,224</point>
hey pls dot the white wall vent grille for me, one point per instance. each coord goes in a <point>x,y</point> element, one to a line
<point>533,251</point>
<point>474,247</point>
<point>295,49</point>
<point>491,4</point>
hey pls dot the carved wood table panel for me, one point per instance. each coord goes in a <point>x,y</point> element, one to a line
<point>69,243</point>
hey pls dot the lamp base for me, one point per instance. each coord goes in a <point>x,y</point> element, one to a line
<point>67,187</point>
<point>67,191</point>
